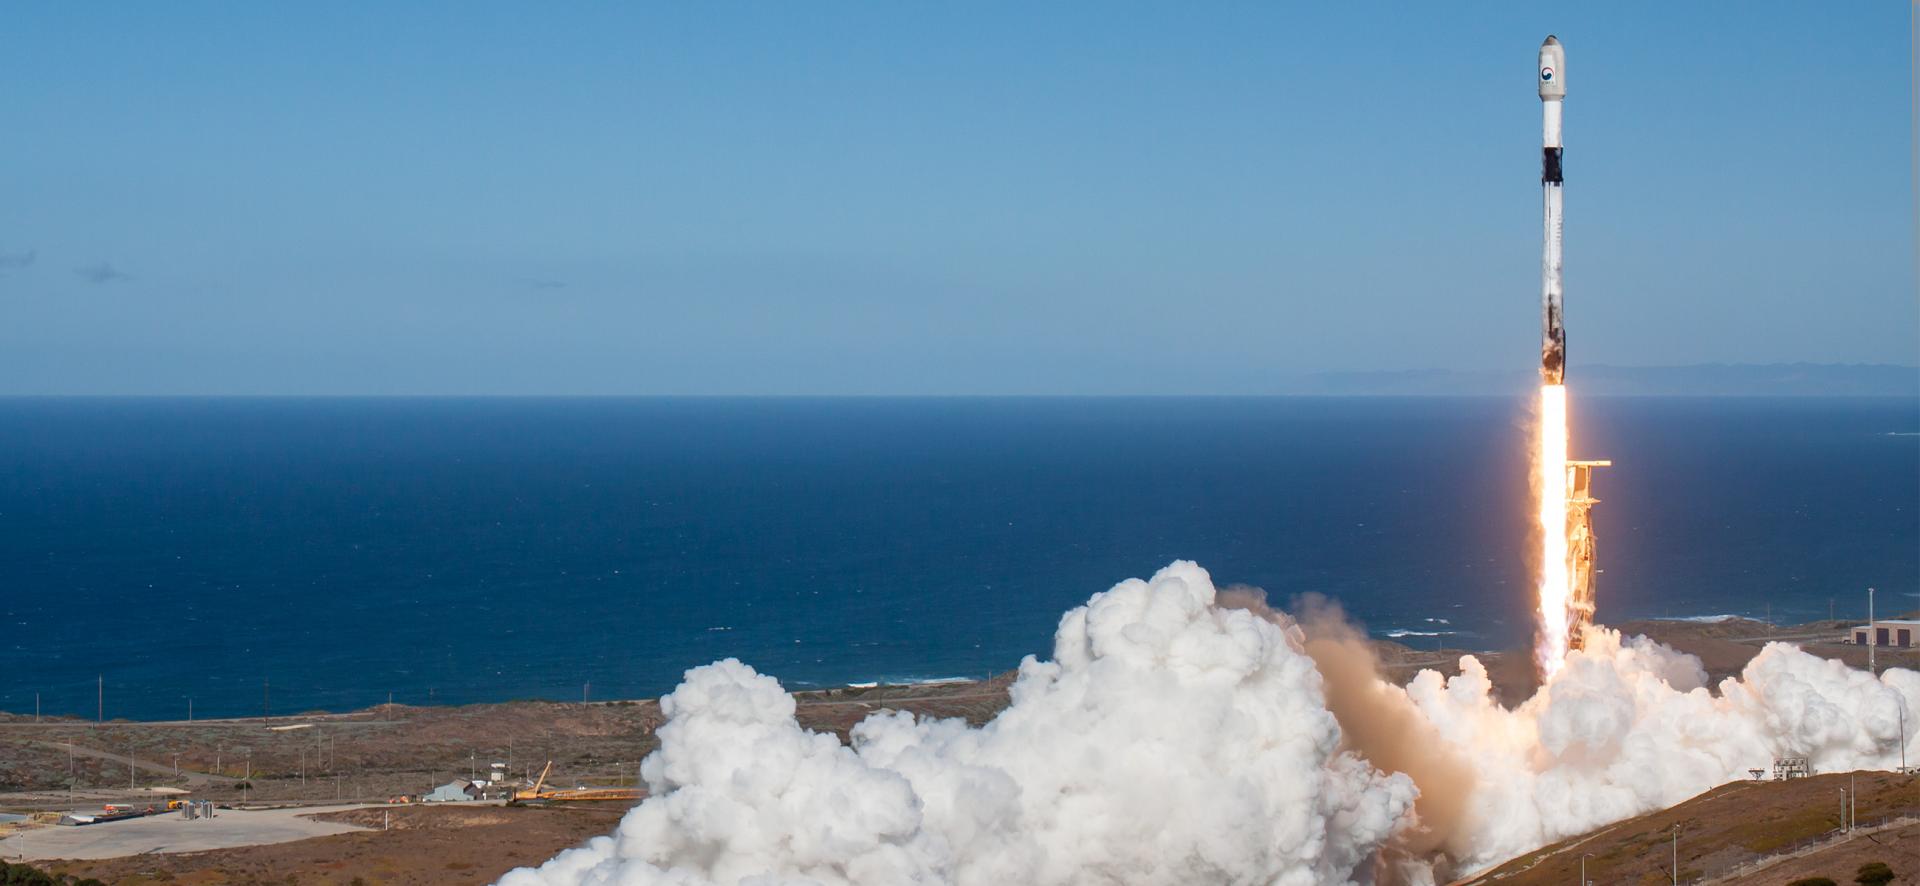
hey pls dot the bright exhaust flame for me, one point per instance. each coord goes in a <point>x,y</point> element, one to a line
<point>1550,465</point>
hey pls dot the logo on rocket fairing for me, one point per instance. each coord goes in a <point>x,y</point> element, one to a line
<point>1546,73</point>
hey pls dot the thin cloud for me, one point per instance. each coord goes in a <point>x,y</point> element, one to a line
<point>101,273</point>
<point>13,261</point>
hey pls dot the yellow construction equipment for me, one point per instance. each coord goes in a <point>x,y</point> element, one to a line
<point>536,794</point>
<point>584,795</point>
<point>533,793</point>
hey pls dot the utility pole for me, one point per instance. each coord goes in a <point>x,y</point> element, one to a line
<point>100,699</point>
<point>1843,810</point>
<point>584,687</point>
<point>1676,855</point>
<point>130,785</point>
<point>36,707</point>
<point>189,709</point>
<point>1583,868</point>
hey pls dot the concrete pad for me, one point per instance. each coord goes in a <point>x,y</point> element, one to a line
<point>172,833</point>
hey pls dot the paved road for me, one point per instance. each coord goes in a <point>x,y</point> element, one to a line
<point>172,833</point>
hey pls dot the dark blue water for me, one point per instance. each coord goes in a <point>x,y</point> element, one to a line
<point>467,550</point>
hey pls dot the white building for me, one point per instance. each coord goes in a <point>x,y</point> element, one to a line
<point>453,790</point>
<point>1898,632</point>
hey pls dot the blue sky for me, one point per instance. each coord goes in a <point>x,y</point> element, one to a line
<point>477,198</point>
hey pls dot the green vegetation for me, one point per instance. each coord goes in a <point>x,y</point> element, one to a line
<point>23,875</point>
<point>1813,881</point>
<point>1873,873</point>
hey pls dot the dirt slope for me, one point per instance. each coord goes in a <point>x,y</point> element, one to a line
<point>1730,832</point>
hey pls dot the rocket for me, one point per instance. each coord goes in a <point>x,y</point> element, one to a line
<point>1553,95</point>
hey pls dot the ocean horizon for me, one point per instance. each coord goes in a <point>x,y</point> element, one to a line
<point>455,550</point>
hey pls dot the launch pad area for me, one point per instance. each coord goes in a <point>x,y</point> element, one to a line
<point>487,840</point>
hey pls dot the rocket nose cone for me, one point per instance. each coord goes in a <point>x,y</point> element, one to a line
<point>1553,67</point>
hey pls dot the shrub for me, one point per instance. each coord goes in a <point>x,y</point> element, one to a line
<point>1873,873</point>
<point>22,875</point>
<point>1813,881</point>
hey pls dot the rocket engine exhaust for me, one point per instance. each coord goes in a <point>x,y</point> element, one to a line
<point>1557,631</point>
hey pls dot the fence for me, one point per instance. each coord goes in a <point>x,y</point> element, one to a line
<point>1806,844</point>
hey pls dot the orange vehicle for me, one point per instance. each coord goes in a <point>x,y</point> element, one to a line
<point>579,795</point>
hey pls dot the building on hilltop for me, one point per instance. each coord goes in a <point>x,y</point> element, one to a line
<point>1897,632</point>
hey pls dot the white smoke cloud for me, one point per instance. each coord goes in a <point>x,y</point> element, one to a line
<point>1174,740</point>
<point>1628,727</point>
<point>1168,742</point>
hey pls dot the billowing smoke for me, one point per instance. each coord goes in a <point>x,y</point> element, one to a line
<point>1628,726</point>
<point>1183,736</point>
<point>1380,723</point>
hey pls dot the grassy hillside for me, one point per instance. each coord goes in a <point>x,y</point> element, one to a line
<point>1745,832</point>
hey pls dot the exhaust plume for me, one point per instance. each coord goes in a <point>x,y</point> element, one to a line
<point>1170,741</point>
<point>1377,720</point>
<point>1557,606</point>
<point>1180,735</point>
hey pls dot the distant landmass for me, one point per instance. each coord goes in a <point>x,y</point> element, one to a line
<point>1698,380</point>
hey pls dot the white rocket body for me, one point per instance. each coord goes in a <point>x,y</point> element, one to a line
<point>1553,93</point>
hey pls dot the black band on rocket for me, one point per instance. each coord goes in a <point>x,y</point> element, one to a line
<point>1550,166</point>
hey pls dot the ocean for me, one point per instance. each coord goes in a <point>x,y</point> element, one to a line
<point>332,551</point>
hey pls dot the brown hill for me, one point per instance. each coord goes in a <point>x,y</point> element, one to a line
<point>1745,832</point>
